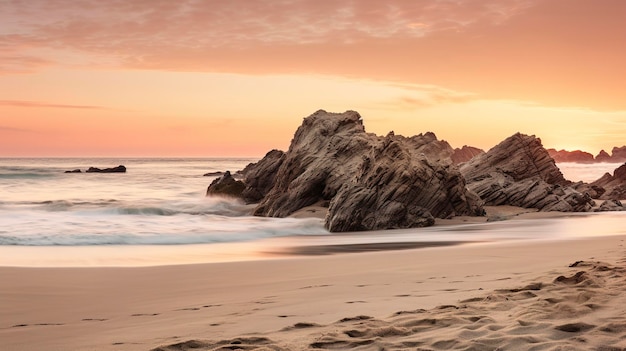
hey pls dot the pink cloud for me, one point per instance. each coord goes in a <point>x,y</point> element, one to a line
<point>564,52</point>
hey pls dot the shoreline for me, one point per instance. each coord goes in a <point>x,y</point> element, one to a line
<point>292,303</point>
<point>502,224</point>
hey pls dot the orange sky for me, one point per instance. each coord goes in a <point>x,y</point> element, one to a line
<point>235,78</point>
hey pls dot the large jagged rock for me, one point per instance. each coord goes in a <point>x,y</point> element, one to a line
<point>465,154</point>
<point>576,156</point>
<point>614,185</point>
<point>260,177</point>
<point>520,172</point>
<point>370,182</point>
<point>226,185</point>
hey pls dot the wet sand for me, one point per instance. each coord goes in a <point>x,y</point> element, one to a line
<point>538,295</point>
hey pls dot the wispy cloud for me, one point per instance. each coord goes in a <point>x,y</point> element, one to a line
<point>36,104</point>
<point>421,96</point>
<point>547,50</point>
<point>13,129</point>
<point>139,30</point>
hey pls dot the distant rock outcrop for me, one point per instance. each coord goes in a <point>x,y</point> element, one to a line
<point>618,154</point>
<point>465,154</point>
<point>226,185</point>
<point>614,185</point>
<point>571,156</point>
<point>520,172</point>
<point>370,182</point>
<point>603,156</point>
<point>118,169</point>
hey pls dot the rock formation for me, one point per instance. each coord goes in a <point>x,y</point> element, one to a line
<point>571,156</point>
<point>118,169</point>
<point>520,172</point>
<point>465,154</point>
<point>614,185</point>
<point>370,182</point>
<point>74,171</point>
<point>260,177</point>
<point>226,185</point>
<point>611,205</point>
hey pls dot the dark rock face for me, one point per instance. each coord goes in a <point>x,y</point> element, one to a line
<point>74,171</point>
<point>571,156</point>
<point>520,172</point>
<point>465,154</point>
<point>594,191</point>
<point>225,185</point>
<point>260,177</point>
<point>370,182</point>
<point>118,169</point>
<point>615,185</point>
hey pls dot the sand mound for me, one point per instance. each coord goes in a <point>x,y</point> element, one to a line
<point>569,310</point>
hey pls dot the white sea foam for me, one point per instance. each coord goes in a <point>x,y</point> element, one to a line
<point>157,202</point>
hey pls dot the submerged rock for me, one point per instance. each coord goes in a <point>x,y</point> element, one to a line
<point>225,185</point>
<point>370,182</point>
<point>213,174</point>
<point>118,169</point>
<point>520,172</point>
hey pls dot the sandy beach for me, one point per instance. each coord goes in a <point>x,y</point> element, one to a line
<point>537,295</point>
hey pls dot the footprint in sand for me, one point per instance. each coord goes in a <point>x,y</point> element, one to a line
<point>144,314</point>
<point>315,286</point>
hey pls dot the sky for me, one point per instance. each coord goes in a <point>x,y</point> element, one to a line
<point>208,78</point>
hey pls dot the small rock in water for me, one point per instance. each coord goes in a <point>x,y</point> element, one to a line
<point>226,185</point>
<point>118,169</point>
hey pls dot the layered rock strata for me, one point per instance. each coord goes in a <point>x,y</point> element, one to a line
<point>520,172</point>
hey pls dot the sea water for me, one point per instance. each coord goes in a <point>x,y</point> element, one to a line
<point>156,202</point>
<point>49,217</point>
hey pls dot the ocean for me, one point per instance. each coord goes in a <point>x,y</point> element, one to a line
<point>49,217</point>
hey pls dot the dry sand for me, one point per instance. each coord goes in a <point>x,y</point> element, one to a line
<point>506,296</point>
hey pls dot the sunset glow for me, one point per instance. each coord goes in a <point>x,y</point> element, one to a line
<point>235,78</point>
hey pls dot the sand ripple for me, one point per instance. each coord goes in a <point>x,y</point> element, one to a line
<point>583,308</point>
